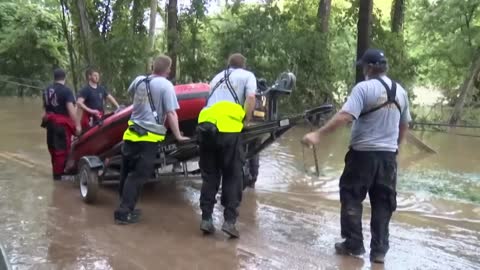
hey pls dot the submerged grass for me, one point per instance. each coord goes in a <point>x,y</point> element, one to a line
<point>442,184</point>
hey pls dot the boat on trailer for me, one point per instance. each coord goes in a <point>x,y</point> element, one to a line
<point>95,158</point>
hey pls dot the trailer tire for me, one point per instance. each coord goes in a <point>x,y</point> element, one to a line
<point>88,180</point>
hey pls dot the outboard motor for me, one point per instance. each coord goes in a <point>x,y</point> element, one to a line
<point>260,110</point>
<point>267,97</point>
<point>284,85</point>
<point>262,85</point>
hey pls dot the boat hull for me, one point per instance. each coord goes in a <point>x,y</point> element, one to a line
<point>101,138</point>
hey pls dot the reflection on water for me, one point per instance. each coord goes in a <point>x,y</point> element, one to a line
<point>290,221</point>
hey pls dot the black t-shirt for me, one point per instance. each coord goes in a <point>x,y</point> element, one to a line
<point>94,97</point>
<point>56,97</point>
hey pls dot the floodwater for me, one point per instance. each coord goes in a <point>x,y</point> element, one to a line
<point>289,221</point>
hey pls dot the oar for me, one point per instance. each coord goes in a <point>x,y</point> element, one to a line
<point>418,143</point>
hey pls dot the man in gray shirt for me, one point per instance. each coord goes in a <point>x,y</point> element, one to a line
<point>229,107</point>
<point>380,113</point>
<point>154,102</point>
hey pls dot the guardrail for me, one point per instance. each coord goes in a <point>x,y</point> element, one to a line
<point>443,125</point>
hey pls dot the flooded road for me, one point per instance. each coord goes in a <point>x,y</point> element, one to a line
<point>290,221</point>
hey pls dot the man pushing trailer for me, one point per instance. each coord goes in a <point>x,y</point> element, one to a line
<point>229,107</point>
<point>154,102</point>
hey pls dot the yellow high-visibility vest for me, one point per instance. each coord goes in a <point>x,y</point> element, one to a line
<point>132,136</point>
<point>226,115</point>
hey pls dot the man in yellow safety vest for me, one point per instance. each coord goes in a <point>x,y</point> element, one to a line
<point>154,101</point>
<point>229,108</point>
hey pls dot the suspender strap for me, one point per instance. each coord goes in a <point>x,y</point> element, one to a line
<point>226,79</point>
<point>230,88</point>
<point>147,80</point>
<point>391,98</point>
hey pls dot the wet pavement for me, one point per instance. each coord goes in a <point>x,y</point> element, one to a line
<point>289,221</point>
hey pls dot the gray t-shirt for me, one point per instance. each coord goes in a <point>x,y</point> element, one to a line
<point>243,82</point>
<point>379,130</point>
<point>163,95</point>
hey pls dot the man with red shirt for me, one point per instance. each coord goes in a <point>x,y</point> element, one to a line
<point>60,121</point>
<point>91,98</point>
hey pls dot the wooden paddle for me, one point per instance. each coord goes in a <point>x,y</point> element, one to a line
<point>418,143</point>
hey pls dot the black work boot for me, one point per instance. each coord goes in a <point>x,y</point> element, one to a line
<point>343,249</point>
<point>137,213</point>
<point>230,229</point>
<point>207,226</point>
<point>125,218</point>
<point>377,258</point>
<point>252,182</point>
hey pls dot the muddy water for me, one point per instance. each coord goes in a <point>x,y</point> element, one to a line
<point>290,221</point>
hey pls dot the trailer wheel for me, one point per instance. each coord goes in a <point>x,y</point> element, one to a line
<point>88,179</point>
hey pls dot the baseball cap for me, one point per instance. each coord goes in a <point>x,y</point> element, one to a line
<point>372,56</point>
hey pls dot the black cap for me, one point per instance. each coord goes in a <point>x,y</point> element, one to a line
<point>59,74</point>
<point>372,56</point>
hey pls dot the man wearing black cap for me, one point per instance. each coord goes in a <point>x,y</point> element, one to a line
<point>380,113</point>
<point>60,121</point>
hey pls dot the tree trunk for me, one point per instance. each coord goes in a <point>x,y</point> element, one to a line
<point>172,38</point>
<point>137,11</point>
<point>363,32</point>
<point>69,44</point>
<point>323,15</point>
<point>466,88</point>
<point>85,30</point>
<point>151,30</point>
<point>398,15</point>
<point>194,33</point>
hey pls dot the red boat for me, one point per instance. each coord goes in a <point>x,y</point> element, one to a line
<point>103,137</point>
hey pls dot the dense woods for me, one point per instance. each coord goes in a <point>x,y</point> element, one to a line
<point>434,44</point>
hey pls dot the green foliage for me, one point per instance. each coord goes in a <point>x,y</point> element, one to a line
<point>272,40</point>
<point>444,36</point>
<point>437,47</point>
<point>31,43</point>
<point>402,66</point>
<point>195,59</point>
<point>119,38</point>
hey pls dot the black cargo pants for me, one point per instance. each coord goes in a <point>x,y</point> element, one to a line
<point>138,164</point>
<point>374,173</point>
<point>222,159</point>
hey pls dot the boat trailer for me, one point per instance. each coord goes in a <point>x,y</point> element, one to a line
<point>97,170</point>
